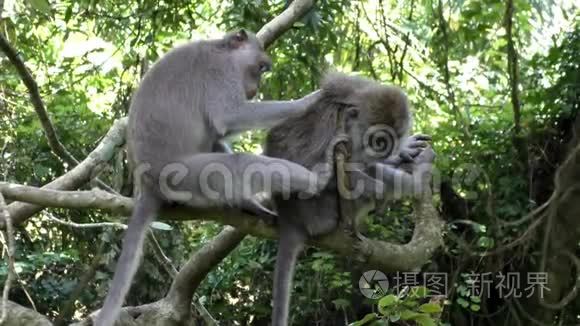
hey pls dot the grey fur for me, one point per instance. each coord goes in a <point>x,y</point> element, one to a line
<point>188,101</point>
<point>303,140</point>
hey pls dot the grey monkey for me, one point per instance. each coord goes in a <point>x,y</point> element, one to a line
<point>358,105</point>
<point>194,96</point>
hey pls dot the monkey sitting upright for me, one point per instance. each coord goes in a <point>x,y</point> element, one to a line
<point>370,114</point>
<point>188,101</point>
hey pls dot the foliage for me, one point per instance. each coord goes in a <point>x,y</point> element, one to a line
<point>451,58</point>
<point>404,309</point>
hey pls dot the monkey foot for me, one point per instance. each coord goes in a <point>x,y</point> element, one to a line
<point>254,207</point>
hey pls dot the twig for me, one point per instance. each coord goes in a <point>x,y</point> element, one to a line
<point>86,225</point>
<point>10,251</point>
<point>161,256</point>
<point>2,161</point>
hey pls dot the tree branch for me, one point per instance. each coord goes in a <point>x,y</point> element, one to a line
<point>19,315</point>
<point>283,22</point>
<point>199,265</point>
<point>79,175</point>
<point>519,140</point>
<point>388,256</point>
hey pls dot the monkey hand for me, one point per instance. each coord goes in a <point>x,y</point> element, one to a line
<point>426,156</point>
<point>412,147</point>
<point>307,101</point>
<point>422,168</point>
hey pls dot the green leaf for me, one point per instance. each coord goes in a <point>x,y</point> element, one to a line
<point>388,300</point>
<point>161,226</point>
<point>430,308</point>
<point>410,303</point>
<point>409,314</point>
<point>475,307</point>
<point>485,242</point>
<point>462,302</point>
<point>395,317</point>
<point>425,320</point>
<point>367,319</point>
<point>419,292</point>
<point>40,5</point>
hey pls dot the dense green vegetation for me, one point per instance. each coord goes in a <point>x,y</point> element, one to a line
<point>498,89</point>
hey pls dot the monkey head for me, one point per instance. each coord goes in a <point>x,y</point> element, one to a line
<point>248,54</point>
<point>376,117</point>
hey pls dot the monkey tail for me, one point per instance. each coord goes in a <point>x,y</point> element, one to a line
<point>290,244</point>
<point>145,210</point>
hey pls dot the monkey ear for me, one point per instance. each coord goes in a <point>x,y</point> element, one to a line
<point>238,38</point>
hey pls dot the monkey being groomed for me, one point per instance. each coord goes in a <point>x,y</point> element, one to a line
<point>194,96</point>
<point>382,163</point>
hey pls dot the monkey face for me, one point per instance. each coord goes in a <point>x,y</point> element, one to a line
<point>253,74</point>
<point>372,140</point>
<point>249,57</point>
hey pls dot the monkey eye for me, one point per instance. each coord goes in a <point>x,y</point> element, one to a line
<point>264,67</point>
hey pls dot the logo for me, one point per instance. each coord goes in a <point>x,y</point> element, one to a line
<point>373,284</point>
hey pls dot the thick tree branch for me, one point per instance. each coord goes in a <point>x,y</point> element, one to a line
<point>388,256</point>
<point>283,22</point>
<point>79,175</point>
<point>199,265</point>
<point>20,315</point>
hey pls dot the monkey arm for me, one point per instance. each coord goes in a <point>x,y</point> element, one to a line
<point>410,148</point>
<point>395,183</point>
<point>384,181</point>
<point>266,114</point>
